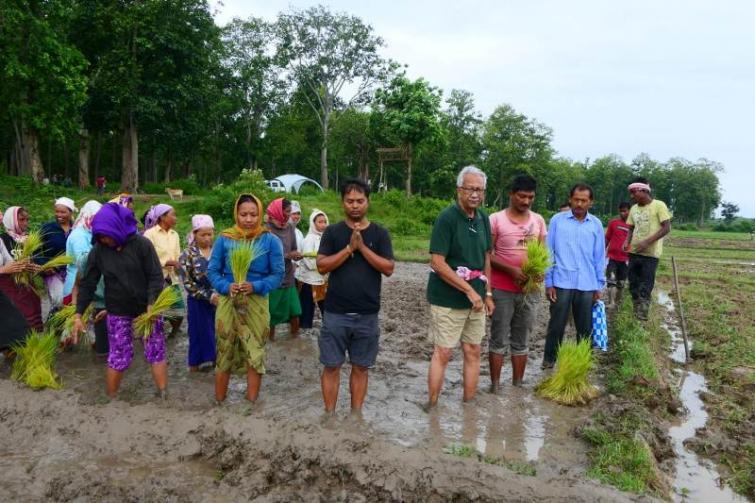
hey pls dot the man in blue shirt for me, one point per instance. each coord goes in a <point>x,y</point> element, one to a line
<point>577,276</point>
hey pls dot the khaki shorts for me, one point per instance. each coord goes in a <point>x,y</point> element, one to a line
<point>448,326</point>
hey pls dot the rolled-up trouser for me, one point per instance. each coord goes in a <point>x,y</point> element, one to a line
<point>580,304</point>
<point>120,332</point>
<point>641,275</point>
<point>512,322</point>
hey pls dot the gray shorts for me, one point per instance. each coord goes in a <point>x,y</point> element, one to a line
<point>356,334</point>
<point>512,322</point>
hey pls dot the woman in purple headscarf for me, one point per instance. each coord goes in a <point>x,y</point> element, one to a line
<point>133,280</point>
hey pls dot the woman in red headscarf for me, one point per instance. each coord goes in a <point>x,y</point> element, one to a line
<point>284,301</point>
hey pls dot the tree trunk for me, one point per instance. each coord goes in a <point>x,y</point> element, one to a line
<point>83,158</point>
<point>409,171</point>
<point>31,147</point>
<point>20,166</point>
<point>130,168</point>
<point>97,153</point>
<point>168,166</point>
<point>325,123</point>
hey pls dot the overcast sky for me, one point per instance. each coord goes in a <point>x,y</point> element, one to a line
<point>669,78</point>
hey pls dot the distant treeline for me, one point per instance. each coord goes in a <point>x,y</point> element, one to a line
<point>153,90</point>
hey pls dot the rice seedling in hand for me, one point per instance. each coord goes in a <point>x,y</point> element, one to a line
<point>55,262</point>
<point>26,252</point>
<point>568,385</point>
<point>35,358</point>
<point>62,323</point>
<point>242,256</point>
<point>538,260</point>
<point>145,323</point>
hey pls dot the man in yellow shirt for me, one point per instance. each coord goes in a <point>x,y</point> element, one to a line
<point>649,221</point>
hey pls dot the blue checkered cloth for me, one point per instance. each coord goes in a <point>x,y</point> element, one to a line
<point>599,326</point>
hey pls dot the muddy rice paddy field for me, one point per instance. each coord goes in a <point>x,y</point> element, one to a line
<point>76,445</point>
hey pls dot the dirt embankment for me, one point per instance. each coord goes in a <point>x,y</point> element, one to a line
<point>74,445</point>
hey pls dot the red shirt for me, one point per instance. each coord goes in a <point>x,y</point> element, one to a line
<point>616,234</point>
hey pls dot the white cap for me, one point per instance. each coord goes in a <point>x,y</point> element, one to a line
<point>67,202</point>
<point>295,208</point>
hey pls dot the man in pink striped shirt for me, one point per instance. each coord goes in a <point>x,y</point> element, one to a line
<point>514,314</point>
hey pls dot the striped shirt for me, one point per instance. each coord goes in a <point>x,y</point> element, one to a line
<point>578,253</point>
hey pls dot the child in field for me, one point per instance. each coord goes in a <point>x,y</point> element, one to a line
<point>313,284</point>
<point>201,298</point>
<point>242,328</point>
<point>133,280</point>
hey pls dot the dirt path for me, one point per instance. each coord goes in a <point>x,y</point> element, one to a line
<point>72,444</point>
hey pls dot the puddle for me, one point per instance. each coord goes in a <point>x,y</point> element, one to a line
<point>695,479</point>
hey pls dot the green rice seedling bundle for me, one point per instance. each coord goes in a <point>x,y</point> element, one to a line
<point>62,322</point>
<point>568,385</point>
<point>241,258</point>
<point>538,260</point>
<point>25,252</point>
<point>312,254</point>
<point>35,359</point>
<point>58,261</point>
<point>145,323</point>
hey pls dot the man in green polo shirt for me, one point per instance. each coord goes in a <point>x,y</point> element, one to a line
<point>458,289</point>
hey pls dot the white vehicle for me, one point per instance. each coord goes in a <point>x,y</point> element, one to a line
<point>276,185</point>
<point>290,183</point>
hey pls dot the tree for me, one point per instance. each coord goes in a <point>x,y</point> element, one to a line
<point>513,144</point>
<point>462,123</point>
<point>329,54</point>
<point>729,211</point>
<point>410,113</point>
<point>41,77</point>
<point>250,53</point>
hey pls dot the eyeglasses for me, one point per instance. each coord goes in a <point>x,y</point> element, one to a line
<point>473,190</point>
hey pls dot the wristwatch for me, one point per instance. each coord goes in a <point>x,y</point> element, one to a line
<point>488,294</point>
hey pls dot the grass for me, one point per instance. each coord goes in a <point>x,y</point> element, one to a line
<point>718,306</point>
<point>467,451</point>
<point>621,460</point>
<point>620,454</point>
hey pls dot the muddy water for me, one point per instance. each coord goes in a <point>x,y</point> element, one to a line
<point>695,479</point>
<point>513,425</point>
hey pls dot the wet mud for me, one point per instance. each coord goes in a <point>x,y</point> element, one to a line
<point>694,478</point>
<point>75,444</point>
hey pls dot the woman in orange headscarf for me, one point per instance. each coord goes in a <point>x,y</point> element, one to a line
<point>242,328</point>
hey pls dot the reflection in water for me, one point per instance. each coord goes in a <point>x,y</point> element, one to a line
<point>693,480</point>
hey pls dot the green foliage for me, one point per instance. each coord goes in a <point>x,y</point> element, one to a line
<point>633,348</point>
<point>144,324</point>
<point>537,261</point>
<point>468,451</point>
<point>35,358</point>
<point>621,461</point>
<point>568,385</point>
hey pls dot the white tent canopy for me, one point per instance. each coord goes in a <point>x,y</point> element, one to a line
<point>293,183</point>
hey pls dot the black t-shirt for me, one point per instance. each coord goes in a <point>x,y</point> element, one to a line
<point>355,286</point>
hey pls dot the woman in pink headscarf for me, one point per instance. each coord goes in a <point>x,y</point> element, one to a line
<point>201,297</point>
<point>26,300</point>
<point>284,301</point>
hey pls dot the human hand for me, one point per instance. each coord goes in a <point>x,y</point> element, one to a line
<point>99,316</point>
<point>214,299</point>
<point>641,246</point>
<point>172,263</point>
<point>78,327</point>
<point>13,268</point>
<point>295,255</point>
<point>518,276</point>
<point>550,292</point>
<point>475,299</point>
<point>356,240</point>
<point>235,289</point>
<point>489,305</point>
<point>246,288</point>
<point>596,295</point>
